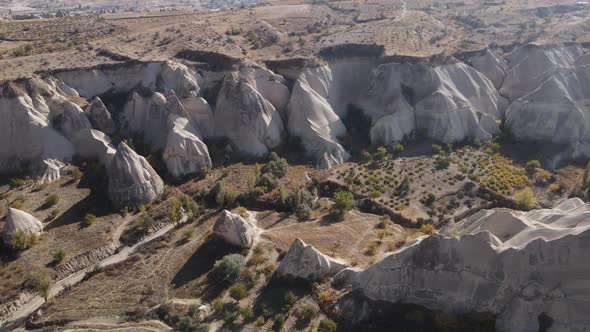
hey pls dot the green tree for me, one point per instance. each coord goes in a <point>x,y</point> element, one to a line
<point>343,202</point>
<point>227,270</point>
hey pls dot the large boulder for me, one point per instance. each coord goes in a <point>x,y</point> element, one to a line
<point>100,117</point>
<point>304,262</point>
<point>234,230</point>
<point>245,117</point>
<point>513,264</point>
<point>132,180</point>
<point>20,221</point>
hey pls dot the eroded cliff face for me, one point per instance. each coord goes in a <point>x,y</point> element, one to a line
<point>515,265</point>
<point>540,91</point>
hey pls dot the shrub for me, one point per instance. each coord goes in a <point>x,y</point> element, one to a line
<point>289,300</point>
<point>218,305</point>
<point>398,149</point>
<point>427,228</point>
<point>246,312</point>
<point>443,162</point>
<point>367,156</point>
<point>59,256</point>
<point>276,166</point>
<point>53,214</point>
<point>404,186</point>
<point>204,171</point>
<point>51,200</point>
<point>260,320</point>
<point>380,154</point>
<point>16,183</point>
<point>533,165</point>
<point>76,173</point>
<point>555,187</point>
<point>543,176</point>
<point>187,234</point>
<point>307,312</point>
<point>41,283</point>
<point>227,270</point>
<point>436,149</point>
<point>21,240</point>
<point>343,202</point>
<point>327,325</point>
<point>525,198</point>
<point>89,219</point>
<point>267,181</point>
<point>303,212</point>
<point>238,291</point>
<point>280,320</point>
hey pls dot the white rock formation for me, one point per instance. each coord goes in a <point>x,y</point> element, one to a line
<point>513,264</point>
<point>95,145</point>
<point>147,117</point>
<point>234,230</point>
<point>26,136</point>
<point>100,117</point>
<point>50,170</point>
<point>312,119</point>
<point>20,221</point>
<point>184,153</point>
<point>532,64</point>
<point>490,64</point>
<point>132,180</point>
<point>156,76</point>
<point>201,116</point>
<point>448,102</point>
<point>68,118</point>
<point>305,262</point>
<point>249,121</point>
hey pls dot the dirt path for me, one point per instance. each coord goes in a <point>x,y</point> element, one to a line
<point>124,253</point>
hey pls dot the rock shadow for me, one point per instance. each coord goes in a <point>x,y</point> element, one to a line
<point>95,204</point>
<point>201,262</point>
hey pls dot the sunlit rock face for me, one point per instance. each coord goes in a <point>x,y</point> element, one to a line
<point>245,117</point>
<point>303,262</point>
<point>132,180</point>
<point>513,264</point>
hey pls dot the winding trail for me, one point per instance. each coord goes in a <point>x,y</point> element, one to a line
<point>123,253</point>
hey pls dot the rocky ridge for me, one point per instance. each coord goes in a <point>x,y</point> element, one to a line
<point>515,265</point>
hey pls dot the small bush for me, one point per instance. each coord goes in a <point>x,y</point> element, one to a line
<point>16,183</point>
<point>280,320</point>
<point>238,291</point>
<point>398,149</point>
<point>533,165</point>
<point>327,325</point>
<point>267,181</point>
<point>260,320</point>
<point>307,312</point>
<point>89,219</point>
<point>76,173</point>
<point>427,229</point>
<point>436,149</point>
<point>21,240</point>
<point>525,198</point>
<point>51,200</point>
<point>41,283</point>
<point>53,214</point>
<point>187,234</point>
<point>59,256</point>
